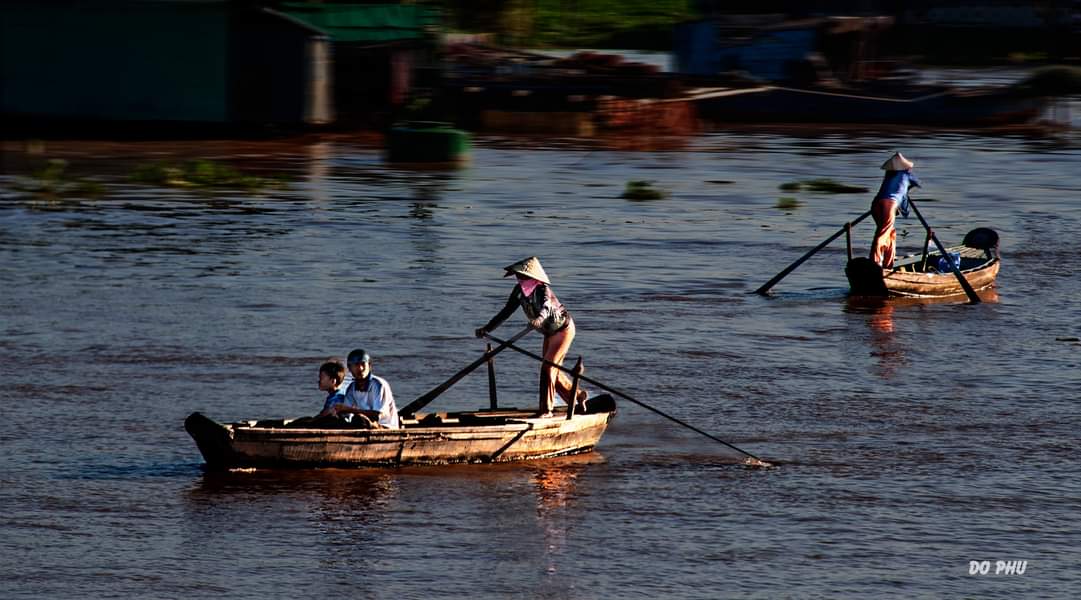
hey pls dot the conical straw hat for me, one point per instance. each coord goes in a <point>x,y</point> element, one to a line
<point>897,162</point>
<point>530,267</point>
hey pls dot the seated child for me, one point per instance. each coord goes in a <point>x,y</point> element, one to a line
<point>332,381</point>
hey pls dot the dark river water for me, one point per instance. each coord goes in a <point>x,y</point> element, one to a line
<point>915,440</point>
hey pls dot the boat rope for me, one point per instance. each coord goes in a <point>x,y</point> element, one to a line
<point>861,97</point>
<point>751,460</point>
<point>707,93</point>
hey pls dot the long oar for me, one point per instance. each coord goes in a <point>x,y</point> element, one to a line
<point>752,460</point>
<point>426,399</point>
<point>792,267</point>
<point>973,298</point>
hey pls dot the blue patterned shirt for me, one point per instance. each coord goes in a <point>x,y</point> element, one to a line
<point>335,397</point>
<point>895,186</point>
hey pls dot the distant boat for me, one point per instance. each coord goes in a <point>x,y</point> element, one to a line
<point>930,106</point>
<point>512,91</point>
<point>823,70</point>
<point>485,436</point>
<point>927,274</point>
<point>427,142</point>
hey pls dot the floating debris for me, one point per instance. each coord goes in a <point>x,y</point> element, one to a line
<point>788,203</point>
<point>201,174</point>
<point>642,190</point>
<point>53,171</point>
<point>87,189</point>
<point>53,181</point>
<point>827,186</point>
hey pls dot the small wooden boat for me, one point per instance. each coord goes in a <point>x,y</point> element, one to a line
<point>483,436</point>
<point>427,142</point>
<point>939,106</point>
<point>927,274</point>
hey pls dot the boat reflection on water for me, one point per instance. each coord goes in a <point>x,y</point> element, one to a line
<point>891,355</point>
<point>322,525</point>
<point>876,304</point>
<point>556,482</point>
<point>366,493</point>
<point>362,492</point>
<point>322,516</point>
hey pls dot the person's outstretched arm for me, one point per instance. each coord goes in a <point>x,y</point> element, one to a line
<point>508,310</point>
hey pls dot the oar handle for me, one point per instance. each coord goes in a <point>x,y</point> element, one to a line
<point>792,267</point>
<point>971,293</point>
<point>755,461</point>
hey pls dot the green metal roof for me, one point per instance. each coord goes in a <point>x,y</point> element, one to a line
<point>366,23</point>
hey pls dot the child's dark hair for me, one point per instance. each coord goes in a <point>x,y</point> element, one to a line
<point>334,368</point>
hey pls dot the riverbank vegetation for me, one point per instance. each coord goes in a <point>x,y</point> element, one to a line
<point>55,182</point>
<point>649,25</point>
<point>640,24</point>
<point>201,174</point>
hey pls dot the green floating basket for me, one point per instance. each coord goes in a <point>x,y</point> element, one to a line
<point>427,142</point>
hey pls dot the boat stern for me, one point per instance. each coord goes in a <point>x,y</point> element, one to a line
<point>213,439</point>
<point>865,277</point>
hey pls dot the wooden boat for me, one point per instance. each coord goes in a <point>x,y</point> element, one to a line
<point>921,106</point>
<point>427,142</point>
<point>824,70</point>
<point>926,274</point>
<point>483,436</point>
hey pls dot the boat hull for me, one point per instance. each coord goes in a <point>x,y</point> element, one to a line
<point>427,142</point>
<point>482,437</point>
<point>866,278</point>
<point>947,108</point>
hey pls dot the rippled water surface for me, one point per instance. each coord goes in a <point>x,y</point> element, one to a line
<point>913,437</point>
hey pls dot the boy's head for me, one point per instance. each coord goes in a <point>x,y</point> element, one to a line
<point>331,375</point>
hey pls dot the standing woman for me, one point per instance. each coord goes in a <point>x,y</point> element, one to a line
<point>892,197</point>
<point>547,315</point>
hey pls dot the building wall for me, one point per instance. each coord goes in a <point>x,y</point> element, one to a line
<point>701,49</point>
<point>280,70</point>
<point>114,60</point>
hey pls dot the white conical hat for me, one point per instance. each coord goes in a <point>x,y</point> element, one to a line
<point>897,162</point>
<point>530,267</point>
